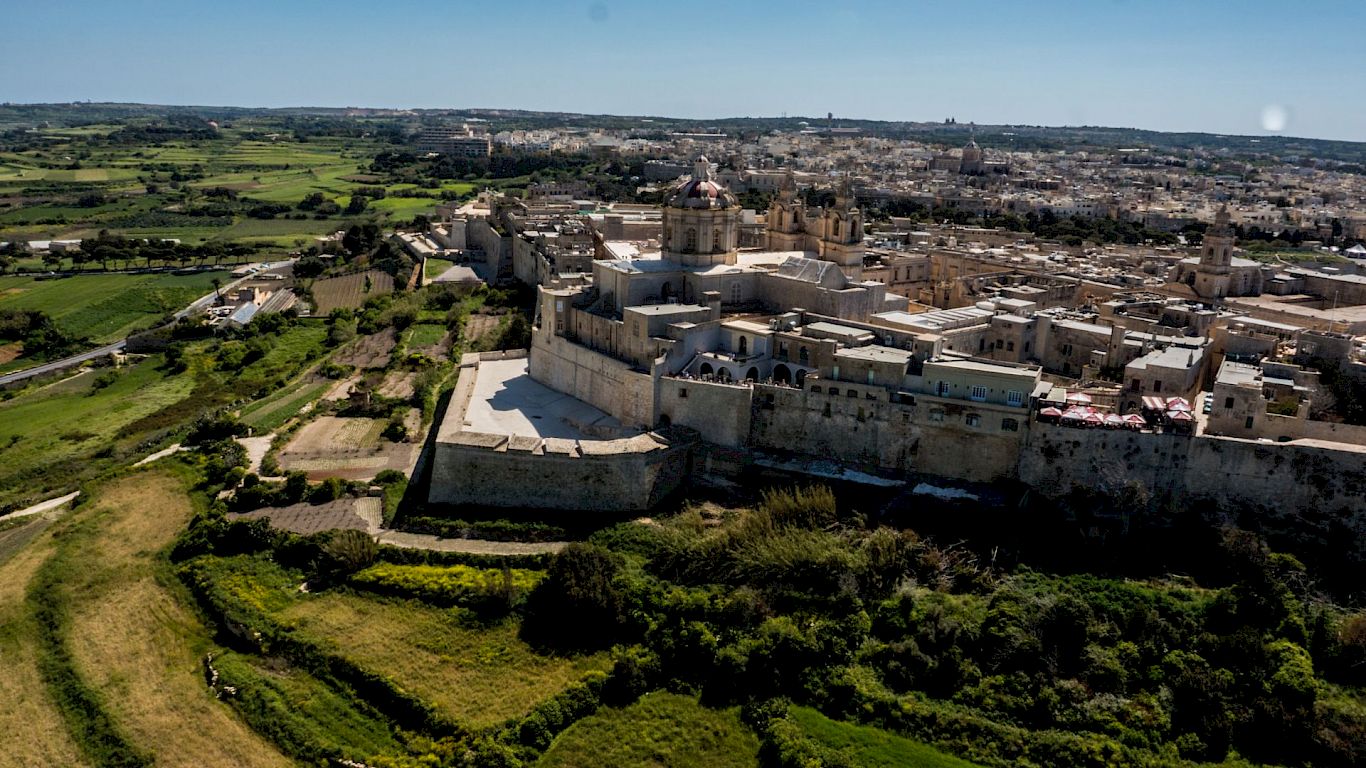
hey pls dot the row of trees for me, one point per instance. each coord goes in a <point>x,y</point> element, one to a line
<point>115,251</point>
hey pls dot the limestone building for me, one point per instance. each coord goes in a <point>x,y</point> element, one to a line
<point>1217,273</point>
<point>833,234</point>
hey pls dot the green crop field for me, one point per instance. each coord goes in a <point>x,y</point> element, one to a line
<point>872,747</point>
<point>662,729</point>
<point>270,412</point>
<point>350,291</point>
<point>479,675</point>
<point>48,435</point>
<point>106,308</point>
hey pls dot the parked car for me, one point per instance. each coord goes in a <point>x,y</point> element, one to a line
<point>1209,403</point>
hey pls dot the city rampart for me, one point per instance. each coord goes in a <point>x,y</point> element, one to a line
<point>856,424</point>
<point>597,379</point>
<point>619,474</point>
<point>1289,485</point>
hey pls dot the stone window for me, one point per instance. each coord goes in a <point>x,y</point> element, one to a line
<point>826,413</point>
<point>715,240</point>
<point>979,393</point>
<point>1010,346</point>
<point>683,392</point>
<point>936,416</point>
<point>942,388</point>
<point>803,355</point>
<point>1157,385</point>
<point>1000,343</point>
<point>973,420</point>
<point>815,389</point>
<point>1248,423</point>
<point>1228,403</point>
<point>852,393</point>
<point>735,292</point>
<point>870,376</point>
<point>1015,397</point>
<point>1067,349</point>
<point>690,240</point>
<point>1010,425</point>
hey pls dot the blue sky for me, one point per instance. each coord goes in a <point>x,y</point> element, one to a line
<point>1195,65</point>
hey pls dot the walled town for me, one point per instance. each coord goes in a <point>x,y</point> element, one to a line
<point>699,337</point>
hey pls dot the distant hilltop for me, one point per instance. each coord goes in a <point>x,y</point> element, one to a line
<point>949,131</point>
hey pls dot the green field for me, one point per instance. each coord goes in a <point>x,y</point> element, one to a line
<point>104,308</point>
<point>270,412</point>
<point>425,335</point>
<point>662,729</point>
<point>872,747</point>
<point>50,435</point>
<point>479,675</point>
<point>56,435</point>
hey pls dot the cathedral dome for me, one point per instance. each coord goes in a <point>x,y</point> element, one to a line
<point>702,191</point>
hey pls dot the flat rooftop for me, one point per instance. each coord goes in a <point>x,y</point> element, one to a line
<point>507,401</point>
<point>876,354</point>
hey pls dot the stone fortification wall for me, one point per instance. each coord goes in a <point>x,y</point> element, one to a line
<point>1301,485</point>
<point>597,379</point>
<point>618,475</point>
<point>626,475</point>
<point>721,412</point>
<point>898,437</point>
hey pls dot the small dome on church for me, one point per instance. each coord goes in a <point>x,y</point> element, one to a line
<point>702,191</point>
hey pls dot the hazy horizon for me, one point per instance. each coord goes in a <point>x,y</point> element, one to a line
<point>1160,65</point>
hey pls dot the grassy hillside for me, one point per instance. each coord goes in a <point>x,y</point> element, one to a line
<point>872,747</point>
<point>134,642</point>
<point>662,729</point>
<point>479,675</point>
<point>33,727</point>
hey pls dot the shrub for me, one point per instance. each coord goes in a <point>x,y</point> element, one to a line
<point>449,584</point>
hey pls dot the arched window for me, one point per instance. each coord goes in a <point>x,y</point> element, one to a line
<point>705,370</point>
<point>744,346</point>
<point>690,240</point>
<point>835,228</point>
<point>804,356</point>
<point>782,374</point>
<point>724,374</point>
<point>752,374</point>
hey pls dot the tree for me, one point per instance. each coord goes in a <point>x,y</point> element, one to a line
<point>357,205</point>
<point>579,605</point>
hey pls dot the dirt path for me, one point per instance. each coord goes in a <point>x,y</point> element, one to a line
<point>141,648</point>
<point>469,546</point>
<point>32,728</point>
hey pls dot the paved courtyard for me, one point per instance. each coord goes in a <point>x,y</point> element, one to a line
<point>507,401</point>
